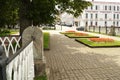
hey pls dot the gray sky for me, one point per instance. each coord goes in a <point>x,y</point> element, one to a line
<point>106,0</point>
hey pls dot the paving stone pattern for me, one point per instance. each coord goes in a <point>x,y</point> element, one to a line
<point>70,60</point>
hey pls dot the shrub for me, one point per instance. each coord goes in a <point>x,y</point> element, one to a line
<point>5,31</point>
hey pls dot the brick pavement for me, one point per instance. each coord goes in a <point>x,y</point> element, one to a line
<point>70,60</point>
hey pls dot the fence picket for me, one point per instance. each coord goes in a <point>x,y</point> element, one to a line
<point>22,66</point>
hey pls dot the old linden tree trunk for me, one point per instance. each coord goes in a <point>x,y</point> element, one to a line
<point>24,13</point>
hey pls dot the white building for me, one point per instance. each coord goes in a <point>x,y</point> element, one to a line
<point>100,14</point>
<point>67,18</point>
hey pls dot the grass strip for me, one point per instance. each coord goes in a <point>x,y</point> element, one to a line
<point>46,40</point>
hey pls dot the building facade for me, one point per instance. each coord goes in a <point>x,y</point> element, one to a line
<point>100,14</point>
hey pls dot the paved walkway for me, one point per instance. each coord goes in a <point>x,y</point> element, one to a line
<point>70,60</point>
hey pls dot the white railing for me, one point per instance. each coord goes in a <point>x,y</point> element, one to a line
<point>21,66</point>
<point>16,64</point>
<point>10,44</point>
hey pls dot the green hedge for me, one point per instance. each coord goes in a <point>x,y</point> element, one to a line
<point>46,40</point>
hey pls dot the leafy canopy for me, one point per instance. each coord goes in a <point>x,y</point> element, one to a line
<point>39,11</point>
<point>45,11</point>
<point>8,12</point>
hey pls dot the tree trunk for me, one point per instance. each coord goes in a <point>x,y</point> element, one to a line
<point>24,21</point>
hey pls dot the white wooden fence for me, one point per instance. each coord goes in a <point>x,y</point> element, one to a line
<point>20,66</point>
<point>8,44</point>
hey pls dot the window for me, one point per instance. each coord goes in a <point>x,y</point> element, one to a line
<point>117,16</point>
<point>109,7</point>
<point>91,23</point>
<point>96,16</point>
<point>91,16</point>
<point>86,23</point>
<point>117,23</point>
<point>114,8</point>
<point>105,16</point>
<point>96,7</point>
<point>95,23</point>
<point>114,16</point>
<point>113,23</point>
<point>117,8</point>
<point>105,23</point>
<point>105,7</point>
<point>86,15</point>
<point>91,7</point>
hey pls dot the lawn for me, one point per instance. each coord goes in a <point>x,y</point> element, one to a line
<point>46,40</point>
<point>94,44</point>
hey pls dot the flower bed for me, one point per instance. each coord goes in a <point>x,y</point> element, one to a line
<point>80,35</point>
<point>101,39</point>
<point>68,32</point>
<point>98,42</point>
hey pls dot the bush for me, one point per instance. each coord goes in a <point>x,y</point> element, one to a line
<point>5,31</point>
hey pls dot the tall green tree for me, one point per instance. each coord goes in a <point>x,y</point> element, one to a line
<point>37,12</point>
<point>8,12</point>
<point>2,8</point>
<point>44,11</point>
<point>11,11</point>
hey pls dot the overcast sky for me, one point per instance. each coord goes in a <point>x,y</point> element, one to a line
<point>106,0</point>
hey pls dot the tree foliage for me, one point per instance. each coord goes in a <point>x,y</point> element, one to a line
<point>44,11</point>
<point>38,11</point>
<point>8,12</point>
<point>2,8</point>
<point>74,7</point>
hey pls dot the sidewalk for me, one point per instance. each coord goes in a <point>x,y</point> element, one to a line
<point>70,60</point>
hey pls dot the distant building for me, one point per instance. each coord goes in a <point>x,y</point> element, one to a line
<point>100,14</point>
<point>67,19</point>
